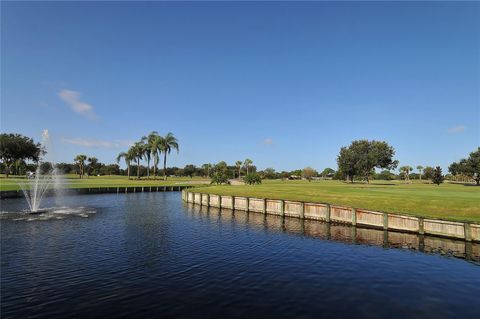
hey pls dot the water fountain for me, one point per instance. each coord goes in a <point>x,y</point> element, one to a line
<point>41,184</point>
<point>36,187</point>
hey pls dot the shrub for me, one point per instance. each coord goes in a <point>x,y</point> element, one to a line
<point>252,178</point>
<point>219,178</point>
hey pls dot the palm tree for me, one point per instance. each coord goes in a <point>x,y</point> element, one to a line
<point>247,163</point>
<point>406,171</point>
<point>154,141</point>
<point>146,153</point>
<point>167,143</point>
<point>80,160</point>
<point>138,152</point>
<point>238,164</point>
<point>128,157</point>
<point>420,169</point>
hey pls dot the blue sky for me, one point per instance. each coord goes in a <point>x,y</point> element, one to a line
<point>285,84</point>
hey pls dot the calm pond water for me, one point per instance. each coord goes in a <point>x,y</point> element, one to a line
<point>150,255</point>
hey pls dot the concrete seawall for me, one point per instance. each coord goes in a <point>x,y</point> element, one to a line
<point>101,190</point>
<point>339,215</point>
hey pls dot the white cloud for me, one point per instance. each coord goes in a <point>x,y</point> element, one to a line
<point>268,141</point>
<point>92,143</point>
<point>72,98</point>
<point>457,129</point>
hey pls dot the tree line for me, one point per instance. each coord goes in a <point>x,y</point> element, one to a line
<point>362,157</point>
<point>362,160</point>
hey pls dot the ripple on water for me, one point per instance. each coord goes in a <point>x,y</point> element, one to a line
<point>148,255</point>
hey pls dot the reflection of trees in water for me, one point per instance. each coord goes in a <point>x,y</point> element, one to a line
<point>147,226</point>
<point>341,232</point>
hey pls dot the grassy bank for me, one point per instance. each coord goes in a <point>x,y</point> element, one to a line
<point>448,201</point>
<point>72,181</point>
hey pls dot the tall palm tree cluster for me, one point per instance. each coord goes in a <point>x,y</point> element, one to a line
<point>150,148</point>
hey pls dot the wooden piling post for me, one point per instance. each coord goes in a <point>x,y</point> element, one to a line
<point>468,232</point>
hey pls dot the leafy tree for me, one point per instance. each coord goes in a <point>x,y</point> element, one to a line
<point>347,163</point>
<point>221,168</point>
<point>252,178</point>
<point>327,172</point>
<point>189,170</point>
<point>469,167</point>
<point>385,175</point>
<point>167,143</point>
<point>428,172</point>
<point>111,169</point>
<point>285,175</point>
<point>80,160</point>
<point>15,148</point>
<point>46,168</point>
<point>64,168</point>
<point>363,156</point>
<point>297,172</point>
<point>339,175</point>
<point>219,178</point>
<point>269,173</point>
<point>308,173</point>
<point>437,176</point>
<point>455,168</point>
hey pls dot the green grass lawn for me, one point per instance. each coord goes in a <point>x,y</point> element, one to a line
<point>448,201</point>
<point>72,181</point>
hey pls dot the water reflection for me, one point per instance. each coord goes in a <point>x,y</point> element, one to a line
<point>339,232</point>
